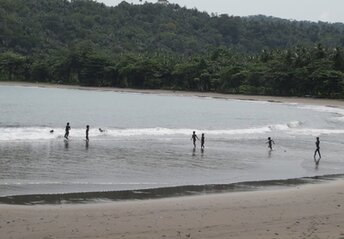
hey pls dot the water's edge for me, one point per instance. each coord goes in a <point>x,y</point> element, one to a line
<point>158,193</point>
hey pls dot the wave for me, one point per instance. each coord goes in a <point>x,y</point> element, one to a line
<point>288,126</point>
<point>317,132</point>
<point>43,133</point>
<point>339,112</point>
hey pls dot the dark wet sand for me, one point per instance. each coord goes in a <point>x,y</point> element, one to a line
<point>308,211</point>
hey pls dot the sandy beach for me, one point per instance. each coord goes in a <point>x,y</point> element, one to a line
<point>309,211</point>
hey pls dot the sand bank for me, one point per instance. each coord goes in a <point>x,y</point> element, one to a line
<point>308,211</point>
<point>277,99</point>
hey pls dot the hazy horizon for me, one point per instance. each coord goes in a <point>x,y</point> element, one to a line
<point>308,10</point>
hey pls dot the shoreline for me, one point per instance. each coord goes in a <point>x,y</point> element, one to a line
<point>308,211</point>
<point>96,197</point>
<point>272,99</point>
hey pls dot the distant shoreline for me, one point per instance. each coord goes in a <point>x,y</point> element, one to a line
<point>273,99</point>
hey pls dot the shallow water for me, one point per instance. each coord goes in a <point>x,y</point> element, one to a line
<point>147,141</point>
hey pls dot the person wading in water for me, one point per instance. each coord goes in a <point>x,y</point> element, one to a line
<point>317,151</point>
<point>194,138</point>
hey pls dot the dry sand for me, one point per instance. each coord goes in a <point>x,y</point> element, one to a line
<point>309,211</point>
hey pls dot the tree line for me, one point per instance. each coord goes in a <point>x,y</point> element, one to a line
<point>315,71</point>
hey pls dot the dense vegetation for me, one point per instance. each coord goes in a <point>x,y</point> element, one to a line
<point>155,46</point>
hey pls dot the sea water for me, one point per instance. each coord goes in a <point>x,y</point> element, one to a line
<point>147,141</point>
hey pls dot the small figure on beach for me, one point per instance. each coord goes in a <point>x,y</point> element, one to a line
<point>87,129</point>
<point>194,138</point>
<point>101,130</point>
<point>67,131</point>
<point>202,141</point>
<point>51,131</point>
<point>317,151</point>
<point>270,142</point>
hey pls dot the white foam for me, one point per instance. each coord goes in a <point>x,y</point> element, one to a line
<point>338,111</point>
<point>42,133</point>
<point>39,133</point>
<point>287,126</point>
<point>316,132</point>
<point>21,133</point>
<point>32,133</point>
<point>294,124</point>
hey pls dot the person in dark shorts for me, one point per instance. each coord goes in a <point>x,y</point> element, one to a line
<point>67,131</point>
<point>317,151</point>
<point>270,142</point>
<point>194,138</point>
<point>87,129</point>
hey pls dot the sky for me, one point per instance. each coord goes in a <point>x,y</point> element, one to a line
<point>311,10</point>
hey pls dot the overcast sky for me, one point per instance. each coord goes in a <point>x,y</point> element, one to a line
<point>313,10</point>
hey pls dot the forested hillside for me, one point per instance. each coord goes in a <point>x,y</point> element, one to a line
<point>37,25</point>
<point>155,46</point>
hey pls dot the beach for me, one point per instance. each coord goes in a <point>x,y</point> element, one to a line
<point>313,210</point>
<point>308,211</point>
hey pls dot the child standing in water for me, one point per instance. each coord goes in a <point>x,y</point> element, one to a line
<point>194,138</point>
<point>317,151</point>
<point>202,141</point>
<point>270,142</point>
<point>67,131</point>
<point>87,129</point>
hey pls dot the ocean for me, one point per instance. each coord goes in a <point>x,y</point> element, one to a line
<point>147,143</point>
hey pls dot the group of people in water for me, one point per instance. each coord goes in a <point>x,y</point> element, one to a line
<point>194,138</point>
<point>316,152</point>
<point>270,142</point>
<point>68,128</point>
